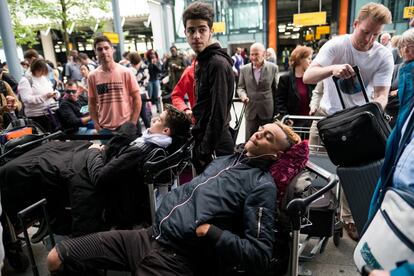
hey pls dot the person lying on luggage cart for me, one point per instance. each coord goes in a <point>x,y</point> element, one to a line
<point>223,218</point>
<point>90,180</point>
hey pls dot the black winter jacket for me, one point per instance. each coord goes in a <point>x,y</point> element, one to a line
<point>238,199</point>
<point>214,92</point>
<point>69,115</point>
<point>121,181</point>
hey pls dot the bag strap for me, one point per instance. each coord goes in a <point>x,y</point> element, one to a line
<point>335,80</point>
<point>30,79</point>
<point>361,82</point>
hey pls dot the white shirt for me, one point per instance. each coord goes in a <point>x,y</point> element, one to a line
<point>257,72</point>
<point>376,66</point>
<point>35,97</point>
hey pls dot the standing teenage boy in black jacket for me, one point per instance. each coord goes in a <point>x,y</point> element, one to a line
<point>213,89</point>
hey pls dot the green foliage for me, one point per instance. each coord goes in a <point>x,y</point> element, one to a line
<point>60,15</point>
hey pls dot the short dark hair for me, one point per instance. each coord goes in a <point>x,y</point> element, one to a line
<point>199,10</point>
<point>99,39</point>
<point>177,121</point>
<point>39,65</point>
<point>134,58</point>
<point>31,53</point>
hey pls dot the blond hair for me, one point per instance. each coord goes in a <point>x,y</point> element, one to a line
<point>377,12</point>
<point>406,38</point>
<point>395,41</point>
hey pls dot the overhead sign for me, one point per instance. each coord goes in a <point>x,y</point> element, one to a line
<point>219,27</point>
<point>113,37</point>
<point>408,12</point>
<point>321,30</point>
<point>309,37</point>
<point>309,18</point>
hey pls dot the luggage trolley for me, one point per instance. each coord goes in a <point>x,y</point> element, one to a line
<point>155,167</point>
<point>324,217</point>
<point>12,242</point>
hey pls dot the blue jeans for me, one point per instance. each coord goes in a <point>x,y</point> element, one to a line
<point>86,131</point>
<point>153,92</point>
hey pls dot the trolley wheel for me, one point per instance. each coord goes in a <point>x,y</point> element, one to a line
<point>18,261</point>
<point>337,237</point>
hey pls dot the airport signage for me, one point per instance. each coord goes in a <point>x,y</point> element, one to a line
<point>113,37</point>
<point>219,27</point>
<point>408,12</point>
<point>309,18</point>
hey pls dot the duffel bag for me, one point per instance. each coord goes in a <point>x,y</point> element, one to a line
<point>388,242</point>
<point>356,135</point>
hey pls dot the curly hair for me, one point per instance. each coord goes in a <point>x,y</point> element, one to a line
<point>199,10</point>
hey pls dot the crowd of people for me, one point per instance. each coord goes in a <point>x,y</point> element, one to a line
<point>229,221</point>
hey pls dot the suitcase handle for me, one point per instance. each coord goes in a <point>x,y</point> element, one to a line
<point>360,80</point>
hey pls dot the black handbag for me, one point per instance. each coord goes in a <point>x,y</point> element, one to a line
<point>356,135</point>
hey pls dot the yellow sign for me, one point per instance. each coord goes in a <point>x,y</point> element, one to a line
<point>219,27</point>
<point>321,30</point>
<point>309,18</point>
<point>408,12</point>
<point>113,37</point>
<point>309,37</point>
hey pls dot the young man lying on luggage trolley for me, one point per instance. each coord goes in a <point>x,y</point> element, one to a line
<point>221,219</point>
<point>89,180</point>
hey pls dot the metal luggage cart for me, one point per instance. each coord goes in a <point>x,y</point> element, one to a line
<point>174,164</point>
<point>322,221</point>
<point>307,131</point>
<point>12,242</point>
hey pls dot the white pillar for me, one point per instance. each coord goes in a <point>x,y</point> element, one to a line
<point>48,48</point>
<point>162,26</point>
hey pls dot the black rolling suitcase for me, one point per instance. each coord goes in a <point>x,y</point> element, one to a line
<point>355,135</point>
<point>359,184</point>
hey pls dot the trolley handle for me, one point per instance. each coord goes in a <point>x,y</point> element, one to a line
<point>155,168</point>
<point>299,206</point>
<point>28,144</point>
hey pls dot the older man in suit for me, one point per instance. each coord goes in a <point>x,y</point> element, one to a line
<point>257,88</point>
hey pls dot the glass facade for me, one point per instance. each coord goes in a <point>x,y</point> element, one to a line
<point>243,20</point>
<point>244,16</point>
